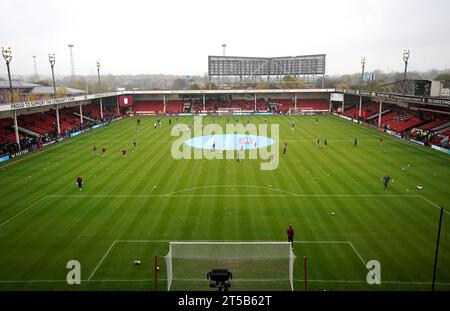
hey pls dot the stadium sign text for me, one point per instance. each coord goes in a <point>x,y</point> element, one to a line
<point>404,98</point>
<point>13,155</point>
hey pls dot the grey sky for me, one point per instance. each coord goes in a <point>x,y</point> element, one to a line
<point>175,37</point>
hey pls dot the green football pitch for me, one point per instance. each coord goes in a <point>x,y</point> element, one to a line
<point>131,207</point>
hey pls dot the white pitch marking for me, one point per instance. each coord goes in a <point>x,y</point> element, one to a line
<point>103,258</point>
<point>22,211</point>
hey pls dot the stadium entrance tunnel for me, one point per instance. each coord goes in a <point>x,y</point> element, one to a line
<point>229,142</point>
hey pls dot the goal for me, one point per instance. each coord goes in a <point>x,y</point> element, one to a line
<point>301,111</point>
<point>229,111</point>
<point>254,265</point>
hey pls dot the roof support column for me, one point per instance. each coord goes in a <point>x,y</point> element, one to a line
<point>379,115</point>
<point>204,103</point>
<point>164,104</point>
<point>58,127</point>
<point>295,101</point>
<point>16,129</point>
<point>360,106</point>
<point>81,112</point>
<point>101,109</point>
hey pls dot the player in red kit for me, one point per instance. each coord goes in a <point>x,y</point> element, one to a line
<point>290,234</point>
<point>80,182</point>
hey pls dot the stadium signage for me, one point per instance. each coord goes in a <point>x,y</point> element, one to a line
<point>417,142</point>
<point>13,155</point>
<point>49,143</point>
<point>75,134</point>
<point>34,104</point>
<point>4,158</point>
<point>55,101</point>
<point>394,134</point>
<point>440,149</point>
<point>405,98</point>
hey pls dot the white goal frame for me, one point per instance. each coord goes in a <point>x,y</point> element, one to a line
<point>169,257</point>
<point>228,111</point>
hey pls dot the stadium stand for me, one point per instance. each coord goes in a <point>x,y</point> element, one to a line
<point>313,104</point>
<point>431,125</point>
<point>6,131</point>
<point>39,122</point>
<point>148,107</point>
<point>174,106</point>
<point>403,124</point>
<point>283,105</point>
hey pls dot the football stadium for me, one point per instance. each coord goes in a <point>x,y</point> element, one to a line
<point>227,188</point>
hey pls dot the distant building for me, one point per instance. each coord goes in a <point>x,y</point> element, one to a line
<point>36,91</point>
<point>18,86</point>
<point>48,90</point>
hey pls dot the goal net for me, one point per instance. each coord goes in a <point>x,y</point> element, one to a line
<point>254,265</point>
<point>301,111</point>
<point>229,111</point>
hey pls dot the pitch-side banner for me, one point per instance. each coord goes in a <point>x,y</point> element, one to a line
<point>125,101</point>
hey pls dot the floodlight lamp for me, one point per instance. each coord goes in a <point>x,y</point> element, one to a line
<point>405,55</point>
<point>51,59</point>
<point>7,54</point>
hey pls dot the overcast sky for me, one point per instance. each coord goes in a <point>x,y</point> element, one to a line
<point>176,36</point>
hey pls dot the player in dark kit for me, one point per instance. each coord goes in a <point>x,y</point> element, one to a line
<point>355,142</point>
<point>381,140</point>
<point>386,180</point>
<point>285,149</point>
<point>290,234</point>
<point>94,150</point>
<point>103,151</point>
<point>124,152</point>
<point>325,142</point>
<point>134,145</point>
<point>138,123</point>
<point>79,182</point>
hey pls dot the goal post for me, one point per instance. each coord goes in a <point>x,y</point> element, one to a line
<point>253,265</point>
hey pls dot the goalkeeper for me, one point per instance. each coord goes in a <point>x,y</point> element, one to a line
<point>290,234</point>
